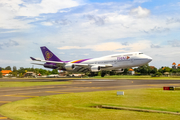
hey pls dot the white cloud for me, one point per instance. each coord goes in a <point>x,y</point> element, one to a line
<point>46,6</point>
<point>10,10</point>
<point>86,54</point>
<point>3,61</point>
<point>163,56</point>
<point>114,46</point>
<point>61,53</point>
<point>140,1</point>
<point>69,47</point>
<point>140,12</point>
<point>47,23</point>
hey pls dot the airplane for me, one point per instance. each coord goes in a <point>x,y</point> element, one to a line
<point>115,62</point>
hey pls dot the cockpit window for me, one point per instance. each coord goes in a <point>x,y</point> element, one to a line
<point>140,53</point>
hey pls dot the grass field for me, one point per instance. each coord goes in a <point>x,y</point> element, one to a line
<point>148,77</point>
<point>26,84</point>
<point>77,106</point>
<point>138,77</point>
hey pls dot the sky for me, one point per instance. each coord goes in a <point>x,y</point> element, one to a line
<point>80,29</point>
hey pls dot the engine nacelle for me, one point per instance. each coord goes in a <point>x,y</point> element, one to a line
<point>69,66</point>
<point>95,68</point>
<point>50,66</point>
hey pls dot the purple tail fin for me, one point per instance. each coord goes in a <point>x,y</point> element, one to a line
<point>48,55</point>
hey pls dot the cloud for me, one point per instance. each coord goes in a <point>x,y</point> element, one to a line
<point>140,12</point>
<point>96,19</point>
<point>9,43</point>
<point>47,23</point>
<point>8,62</point>
<point>113,46</point>
<point>157,30</point>
<point>155,46</point>
<point>125,43</point>
<point>173,20</point>
<point>140,1</point>
<point>70,47</point>
<point>174,43</point>
<point>16,14</point>
<point>45,6</point>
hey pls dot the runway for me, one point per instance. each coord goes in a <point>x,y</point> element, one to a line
<point>8,95</point>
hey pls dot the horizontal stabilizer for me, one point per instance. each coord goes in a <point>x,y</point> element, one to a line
<point>37,64</point>
<point>32,58</point>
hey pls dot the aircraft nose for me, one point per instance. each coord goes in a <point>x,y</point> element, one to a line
<point>149,58</point>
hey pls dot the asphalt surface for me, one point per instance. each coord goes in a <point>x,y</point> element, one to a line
<point>8,95</point>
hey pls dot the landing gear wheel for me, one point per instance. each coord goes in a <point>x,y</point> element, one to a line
<point>103,74</point>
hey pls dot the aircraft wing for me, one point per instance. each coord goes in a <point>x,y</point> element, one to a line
<point>78,66</point>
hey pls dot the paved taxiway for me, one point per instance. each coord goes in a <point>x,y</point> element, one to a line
<point>78,85</point>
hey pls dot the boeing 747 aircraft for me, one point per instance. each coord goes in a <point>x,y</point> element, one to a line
<point>115,62</point>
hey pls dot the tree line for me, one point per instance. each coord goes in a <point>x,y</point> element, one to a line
<point>21,71</point>
<point>144,70</point>
<point>141,70</point>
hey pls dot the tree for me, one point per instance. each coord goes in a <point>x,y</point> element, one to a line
<point>145,69</point>
<point>14,69</point>
<point>125,72</point>
<point>21,70</point>
<point>164,69</point>
<point>112,73</point>
<point>55,71</point>
<point>157,74</point>
<point>20,75</point>
<point>153,70</point>
<point>8,68</point>
<point>0,68</point>
<point>1,75</point>
<point>36,71</point>
<point>48,72</point>
<point>14,74</point>
<point>167,69</point>
<point>42,71</point>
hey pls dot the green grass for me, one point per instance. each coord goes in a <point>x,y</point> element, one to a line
<point>26,84</point>
<point>76,106</point>
<point>137,77</point>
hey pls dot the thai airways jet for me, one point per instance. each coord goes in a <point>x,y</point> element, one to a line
<point>115,62</point>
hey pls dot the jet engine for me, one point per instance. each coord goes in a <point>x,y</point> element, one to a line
<point>95,68</point>
<point>69,66</point>
<point>50,66</point>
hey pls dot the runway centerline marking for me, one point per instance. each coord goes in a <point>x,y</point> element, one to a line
<point>57,92</point>
<point>19,96</point>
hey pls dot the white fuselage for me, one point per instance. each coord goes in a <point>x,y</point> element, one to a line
<point>119,61</point>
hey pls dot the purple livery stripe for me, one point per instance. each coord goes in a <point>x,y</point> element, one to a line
<point>79,61</point>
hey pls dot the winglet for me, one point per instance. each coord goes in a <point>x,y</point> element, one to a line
<point>32,58</point>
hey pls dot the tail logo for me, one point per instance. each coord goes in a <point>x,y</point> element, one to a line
<point>48,55</point>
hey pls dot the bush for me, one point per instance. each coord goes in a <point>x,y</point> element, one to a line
<point>157,74</point>
<point>1,75</point>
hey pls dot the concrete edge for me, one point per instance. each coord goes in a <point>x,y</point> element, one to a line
<point>136,109</point>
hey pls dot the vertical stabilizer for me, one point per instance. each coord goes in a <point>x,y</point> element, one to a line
<point>48,55</point>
